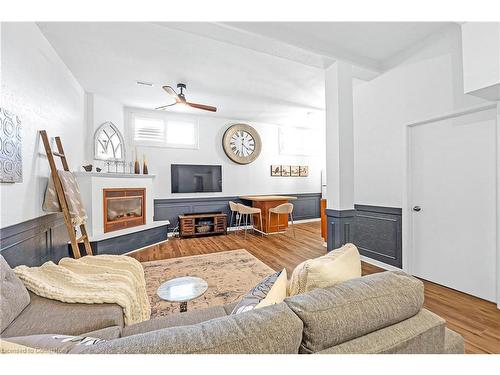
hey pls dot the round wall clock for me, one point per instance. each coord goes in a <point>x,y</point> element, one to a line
<point>241,143</point>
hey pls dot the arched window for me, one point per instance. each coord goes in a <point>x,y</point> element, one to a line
<point>108,143</point>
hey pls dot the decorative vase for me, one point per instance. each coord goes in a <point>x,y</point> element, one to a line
<point>144,165</point>
<point>137,168</point>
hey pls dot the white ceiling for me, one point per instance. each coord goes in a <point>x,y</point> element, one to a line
<point>267,72</point>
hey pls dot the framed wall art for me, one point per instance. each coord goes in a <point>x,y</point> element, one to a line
<point>275,170</point>
<point>11,157</point>
<point>285,170</point>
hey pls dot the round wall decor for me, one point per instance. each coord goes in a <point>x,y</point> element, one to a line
<point>241,143</point>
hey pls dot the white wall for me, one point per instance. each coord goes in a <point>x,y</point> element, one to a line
<point>481,54</point>
<point>238,179</point>
<point>99,110</point>
<point>38,87</point>
<point>426,83</point>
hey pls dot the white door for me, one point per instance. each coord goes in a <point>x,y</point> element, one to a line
<point>453,203</point>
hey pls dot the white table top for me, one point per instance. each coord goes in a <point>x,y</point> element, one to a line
<point>182,289</point>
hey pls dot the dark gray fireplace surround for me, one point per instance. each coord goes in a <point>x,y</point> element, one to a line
<point>375,230</point>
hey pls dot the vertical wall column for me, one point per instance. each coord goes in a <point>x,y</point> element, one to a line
<point>339,154</point>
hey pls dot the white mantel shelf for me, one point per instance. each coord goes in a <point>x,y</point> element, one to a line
<point>113,175</point>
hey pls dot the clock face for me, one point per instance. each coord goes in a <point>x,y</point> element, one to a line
<point>241,143</point>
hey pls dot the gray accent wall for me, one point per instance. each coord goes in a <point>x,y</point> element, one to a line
<point>306,206</point>
<point>35,241</point>
<point>375,230</point>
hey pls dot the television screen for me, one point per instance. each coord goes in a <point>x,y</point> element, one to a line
<point>196,178</point>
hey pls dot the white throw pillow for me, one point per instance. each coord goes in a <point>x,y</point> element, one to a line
<point>335,267</point>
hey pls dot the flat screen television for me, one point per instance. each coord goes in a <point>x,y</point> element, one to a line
<point>196,178</point>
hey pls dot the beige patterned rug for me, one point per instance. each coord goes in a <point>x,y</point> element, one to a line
<point>229,274</point>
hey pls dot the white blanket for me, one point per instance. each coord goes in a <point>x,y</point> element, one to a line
<point>92,279</point>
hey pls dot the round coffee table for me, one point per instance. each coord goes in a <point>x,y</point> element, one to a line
<point>182,289</point>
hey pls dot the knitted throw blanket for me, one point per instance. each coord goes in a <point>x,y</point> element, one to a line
<point>92,279</point>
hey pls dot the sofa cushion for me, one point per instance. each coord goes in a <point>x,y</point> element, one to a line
<point>175,320</point>
<point>45,315</point>
<point>13,294</point>
<point>273,329</point>
<point>356,307</point>
<point>55,343</point>
<point>269,291</point>
<point>335,267</point>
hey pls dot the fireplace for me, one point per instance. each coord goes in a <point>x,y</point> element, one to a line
<point>124,208</point>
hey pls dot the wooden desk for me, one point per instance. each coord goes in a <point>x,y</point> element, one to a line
<point>265,202</point>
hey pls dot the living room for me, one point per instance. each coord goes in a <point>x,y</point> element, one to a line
<point>185,187</point>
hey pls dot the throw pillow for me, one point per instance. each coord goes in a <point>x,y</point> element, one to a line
<point>269,291</point>
<point>55,343</point>
<point>338,265</point>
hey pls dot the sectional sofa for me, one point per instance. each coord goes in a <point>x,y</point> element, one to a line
<point>380,313</point>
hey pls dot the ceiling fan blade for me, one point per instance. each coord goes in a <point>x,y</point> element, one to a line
<point>202,106</point>
<point>170,91</point>
<point>165,106</point>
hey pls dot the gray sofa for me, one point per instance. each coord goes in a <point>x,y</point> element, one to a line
<point>380,313</point>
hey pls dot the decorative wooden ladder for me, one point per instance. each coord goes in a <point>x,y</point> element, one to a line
<point>61,197</point>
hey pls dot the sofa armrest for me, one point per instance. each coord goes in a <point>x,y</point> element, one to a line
<point>423,333</point>
<point>45,315</point>
<point>453,342</point>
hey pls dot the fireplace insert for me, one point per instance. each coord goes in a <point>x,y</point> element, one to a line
<point>124,208</point>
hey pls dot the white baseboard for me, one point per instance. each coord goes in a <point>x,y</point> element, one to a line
<point>386,267</point>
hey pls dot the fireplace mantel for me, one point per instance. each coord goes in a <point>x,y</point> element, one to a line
<point>92,185</point>
<point>113,175</point>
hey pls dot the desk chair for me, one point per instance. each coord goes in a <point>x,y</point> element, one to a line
<point>282,209</point>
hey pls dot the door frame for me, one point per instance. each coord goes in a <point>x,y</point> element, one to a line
<point>408,251</point>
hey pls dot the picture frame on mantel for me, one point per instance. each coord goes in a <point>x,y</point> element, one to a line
<point>295,171</point>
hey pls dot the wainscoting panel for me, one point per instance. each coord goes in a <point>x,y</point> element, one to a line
<point>375,230</point>
<point>378,234</point>
<point>306,206</point>
<point>35,241</point>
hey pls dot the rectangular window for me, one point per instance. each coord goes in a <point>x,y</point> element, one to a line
<point>154,131</point>
<point>148,131</point>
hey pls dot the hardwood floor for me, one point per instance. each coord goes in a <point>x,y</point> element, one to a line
<point>478,321</point>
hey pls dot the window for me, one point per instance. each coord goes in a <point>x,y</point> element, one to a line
<point>299,141</point>
<point>148,131</point>
<point>155,131</point>
<point>108,143</point>
<point>182,134</point>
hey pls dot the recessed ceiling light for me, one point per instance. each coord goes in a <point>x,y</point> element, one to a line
<point>143,83</point>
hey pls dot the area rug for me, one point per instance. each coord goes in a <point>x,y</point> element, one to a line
<point>229,275</point>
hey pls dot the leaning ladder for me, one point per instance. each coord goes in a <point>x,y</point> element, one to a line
<point>61,197</point>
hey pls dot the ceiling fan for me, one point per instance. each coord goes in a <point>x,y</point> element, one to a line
<point>181,99</point>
